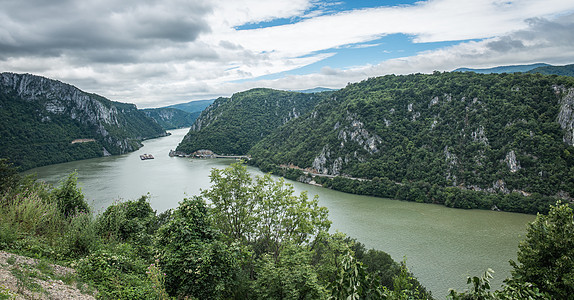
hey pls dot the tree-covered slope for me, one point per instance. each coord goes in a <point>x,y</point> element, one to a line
<point>171,118</point>
<point>497,133</point>
<point>40,118</point>
<point>233,125</point>
<point>567,70</point>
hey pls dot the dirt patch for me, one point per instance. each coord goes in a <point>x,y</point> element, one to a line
<point>27,278</point>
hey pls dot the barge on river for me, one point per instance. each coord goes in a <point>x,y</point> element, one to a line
<point>146,156</point>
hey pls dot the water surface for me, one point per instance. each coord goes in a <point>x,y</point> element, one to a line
<point>441,245</point>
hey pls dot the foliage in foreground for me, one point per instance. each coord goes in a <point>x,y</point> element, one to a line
<point>280,250</point>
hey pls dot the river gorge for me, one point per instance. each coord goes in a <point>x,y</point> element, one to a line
<point>442,246</point>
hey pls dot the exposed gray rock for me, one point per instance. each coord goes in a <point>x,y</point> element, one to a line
<point>479,135</point>
<point>511,161</point>
<point>566,114</point>
<point>320,162</point>
<point>58,98</point>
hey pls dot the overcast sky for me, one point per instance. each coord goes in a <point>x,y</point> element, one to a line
<point>160,52</point>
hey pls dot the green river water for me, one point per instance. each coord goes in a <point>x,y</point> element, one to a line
<point>442,245</point>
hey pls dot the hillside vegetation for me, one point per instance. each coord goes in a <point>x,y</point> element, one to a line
<point>171,118</point>
<point>40,118</point>
<point>461,139</point>
<point>567,70</point>
<point>233,125</point>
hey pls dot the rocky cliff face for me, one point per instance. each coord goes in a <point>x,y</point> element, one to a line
<point>566,114</point>
<point>209,115</point>
<point>118,127</point>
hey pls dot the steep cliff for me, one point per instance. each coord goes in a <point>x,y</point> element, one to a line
<point>45,121</point>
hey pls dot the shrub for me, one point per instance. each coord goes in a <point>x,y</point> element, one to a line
<point>69,196</point>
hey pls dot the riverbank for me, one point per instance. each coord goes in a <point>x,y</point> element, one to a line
<point>421,192</point>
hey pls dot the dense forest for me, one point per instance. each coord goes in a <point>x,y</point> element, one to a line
<point>40,118</point>
<point>233,125</point>
<point>461,139</point>
<point>256,239</point>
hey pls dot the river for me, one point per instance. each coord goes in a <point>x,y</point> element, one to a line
<point>442,245</point>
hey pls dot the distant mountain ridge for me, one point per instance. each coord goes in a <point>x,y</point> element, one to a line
<point>504,69</point>
<point>177,115</point>
<point>567,70</point>
<point>315,90</point>
<point>193,106</point>
<point>41,117</point>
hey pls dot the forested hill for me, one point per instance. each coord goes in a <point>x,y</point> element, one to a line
<point>233,125</point>
<point>44,121</point>
<point>171,118</point>
<point>438,138</point>
<point>567,70</point>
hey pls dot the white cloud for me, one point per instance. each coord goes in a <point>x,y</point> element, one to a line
<point>542,41</point>
<point>157,52</point>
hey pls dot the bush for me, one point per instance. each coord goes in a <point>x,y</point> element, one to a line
<point>130,221</point>
<point>80,237</point>
<point>117,273</point>
<point>69,196</point>
<point>196,263</point>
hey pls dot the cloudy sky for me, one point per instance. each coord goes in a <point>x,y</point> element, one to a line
<point>159,52</point>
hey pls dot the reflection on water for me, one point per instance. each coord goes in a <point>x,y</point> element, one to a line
<point>442,245</point>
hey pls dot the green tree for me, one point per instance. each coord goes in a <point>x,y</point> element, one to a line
<point>290,277</point>
<point>9,177</point>
<point>282,217</point>
<point>196,263</point>
<point>546,257</point>
<point>264,213</point>
<point>69,196</point>
<point>232,202</point>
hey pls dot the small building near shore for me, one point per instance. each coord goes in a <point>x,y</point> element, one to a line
<point>83,141</point>
<point>204,153</point>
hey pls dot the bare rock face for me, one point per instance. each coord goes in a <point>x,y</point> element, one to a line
<point>129,126</point>
<point>320,162</point>
<point>511,161</point>
<point>566,114</point>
